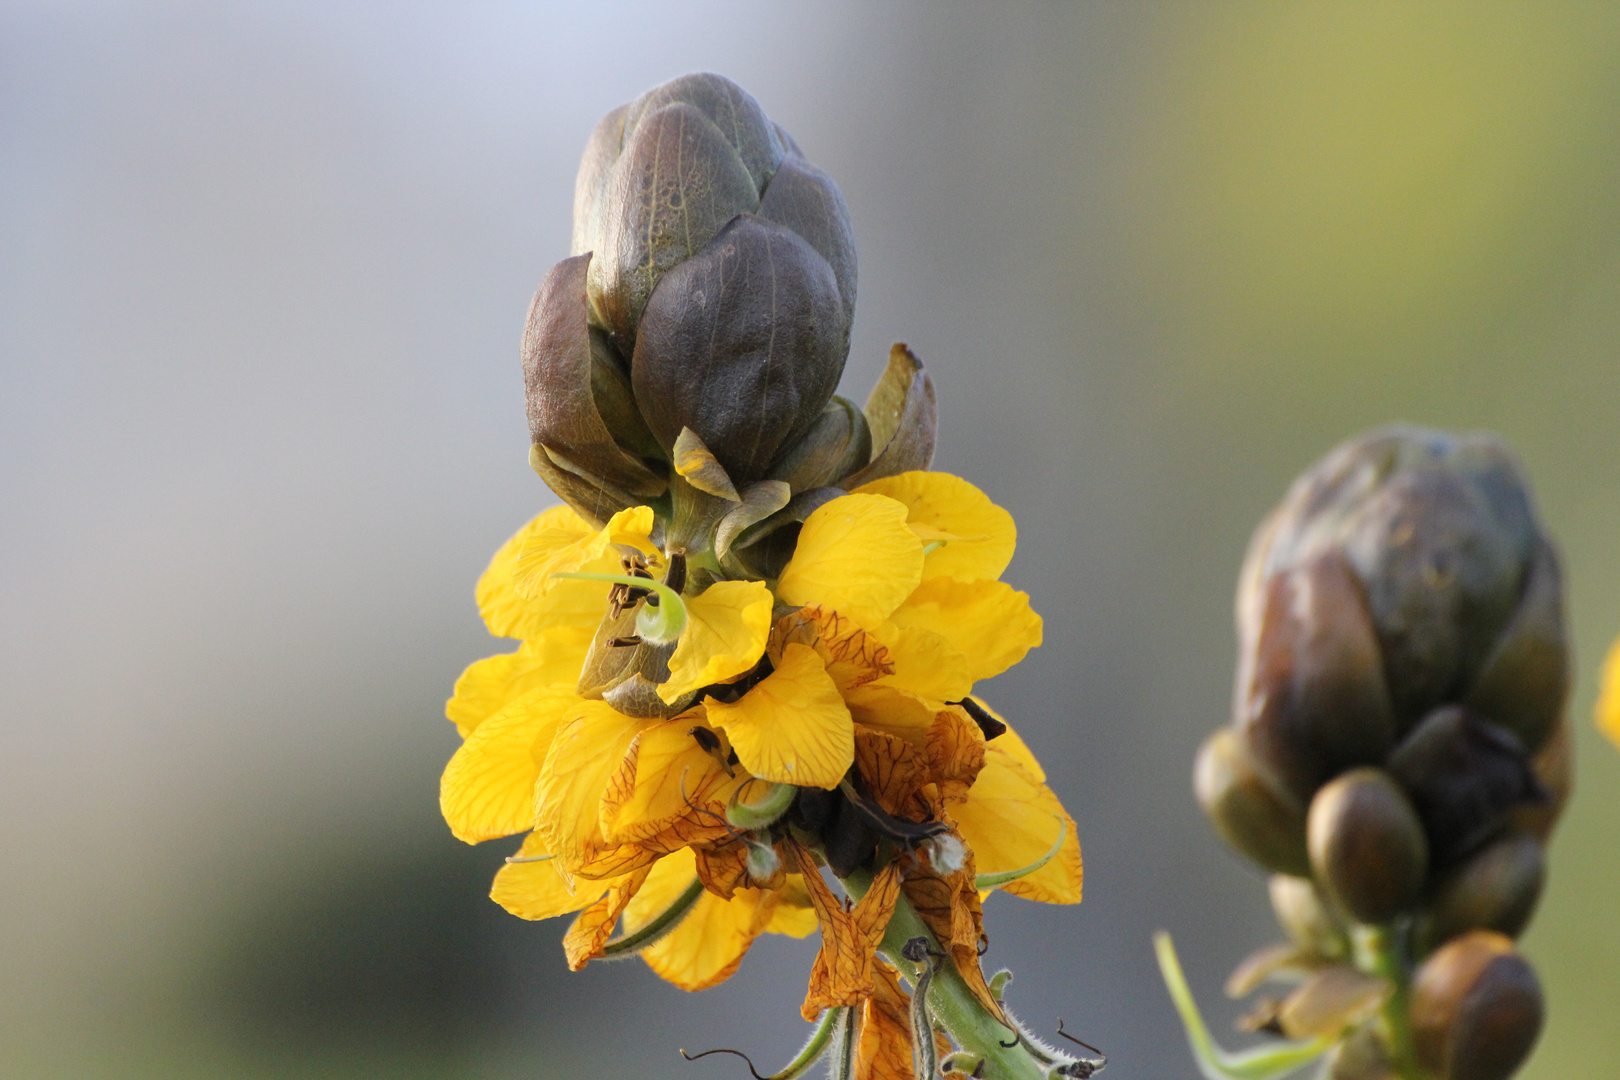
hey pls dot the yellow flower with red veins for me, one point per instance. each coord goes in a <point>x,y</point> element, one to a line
<point>687,751</point>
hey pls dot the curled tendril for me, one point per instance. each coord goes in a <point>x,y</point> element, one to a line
<point>1078,1042</point>
<point>727,1050</point>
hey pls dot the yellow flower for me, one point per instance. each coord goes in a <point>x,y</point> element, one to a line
<point>849,675</point>
<point>1608,703</point>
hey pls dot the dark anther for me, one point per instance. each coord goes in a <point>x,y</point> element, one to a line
<point>724,1050</point>
<point>886,824</point>
<point>652,598</point>
<point>917,950</point>
<point>706,739</point>
<point>729,693</point>
<point>987,723</point>
<point>621,642</point>
<point>675,576</point>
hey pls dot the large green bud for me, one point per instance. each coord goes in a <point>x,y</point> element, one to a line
<point>686,354</point>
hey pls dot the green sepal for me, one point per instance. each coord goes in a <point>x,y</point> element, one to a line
<point>657,625</point>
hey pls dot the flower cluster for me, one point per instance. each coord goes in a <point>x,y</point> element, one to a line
<point>1398,755</point>
<point>751,642</point>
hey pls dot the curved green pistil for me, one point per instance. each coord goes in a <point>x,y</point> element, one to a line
<point>657,624</point>
<point>990,881</point>
<point>630,944</point>
<point>757,815</point>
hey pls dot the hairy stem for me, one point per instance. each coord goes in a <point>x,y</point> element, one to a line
<point>953,1004</point>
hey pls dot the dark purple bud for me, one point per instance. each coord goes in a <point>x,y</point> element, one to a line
<point>742,343</point>
<point>1464,776</point>
<point>1496,888</point>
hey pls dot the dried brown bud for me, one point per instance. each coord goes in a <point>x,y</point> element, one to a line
<point>1249,812</point>
<point>1554,768</point>
<point>1476,1009</point>
<point>1367,845</point>
<point>1361,1056</point>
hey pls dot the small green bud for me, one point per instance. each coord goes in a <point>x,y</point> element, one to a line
<point>1304,913</point>
<point>1476,1009</point>
<point>1495,889</point>
<point>1251,814</point>
<point>1367,845</point>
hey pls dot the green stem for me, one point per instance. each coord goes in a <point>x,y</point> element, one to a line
<point>1378,952</point>
<point>630,944</point>
<point>954,1005</point>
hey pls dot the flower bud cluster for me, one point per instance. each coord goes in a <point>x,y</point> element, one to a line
<point>686,354</point>
<point>1398,752</point>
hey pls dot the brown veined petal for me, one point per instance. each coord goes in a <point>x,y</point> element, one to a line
<point>793,727</point>
<point>956,752</point>
<point>555,657</point>
<point>854,657</point>
<point>894,770</point>
<point>594,926</point>
<point>1011,820</point>
<point>884,1049</point>
<point>488,788</point>
<point>949,904</point>
<point>587,750</point>
<point>856,556</point>
<point>669,792</point>
<point>976,537</point>
<point>842,973</point>
<point>537,890</point>
<point>990,624</point>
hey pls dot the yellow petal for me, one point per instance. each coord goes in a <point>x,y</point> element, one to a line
<point>517,594</point>
<point>1008,823</point>
<point>554,658</point>
<point>726,627</point>
<point>588,748</point>
<point>488,787</point>
<point>676,793</point>
<point>708,944</point>
<point>793,727</point>
<point>855,556</point>
<point>925,663</point>
<point>988,622</point>
<point>896,712</point>
<point>537,890</point>
<point>794,915</point>
<point>1608,706</point>
<point>1010,743</point>
<point>976,536</point>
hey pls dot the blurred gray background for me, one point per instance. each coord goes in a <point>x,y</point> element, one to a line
<point>263,270</point>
